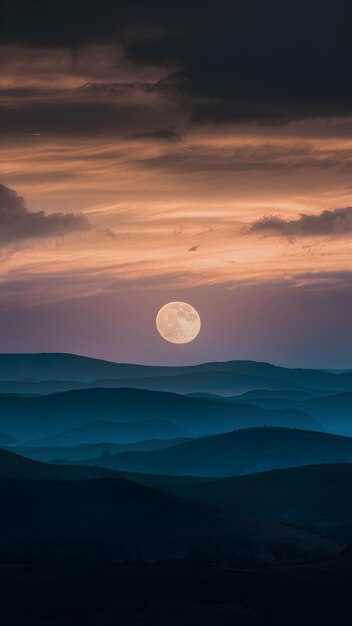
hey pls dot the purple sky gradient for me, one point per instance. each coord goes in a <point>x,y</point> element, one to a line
<point>284,326</point>
<point>148,157</point>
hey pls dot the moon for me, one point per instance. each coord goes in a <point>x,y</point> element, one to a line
<point>178,322</point>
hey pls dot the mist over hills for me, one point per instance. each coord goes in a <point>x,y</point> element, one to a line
<point>225,383</point>
<point>34,417</point>
<point>115,432</point>
<point>333,411</point>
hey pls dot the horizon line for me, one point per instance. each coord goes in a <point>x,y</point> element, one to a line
<point>197,364</point>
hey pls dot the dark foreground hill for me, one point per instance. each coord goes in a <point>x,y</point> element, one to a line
<point>32,417</point>
<point>314,496</point>
<point>177,596</point>
<point>16,466</point>
<point>238,452</point>
<point>115,518</point>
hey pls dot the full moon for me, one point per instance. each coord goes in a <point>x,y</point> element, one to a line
<point>178,322</point>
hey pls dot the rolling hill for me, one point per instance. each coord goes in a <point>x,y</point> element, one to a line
<point>116,518</point>
<point>317,496</point>
<point>114,432</point>
<point>7,440</point>
<point>74,453</point>
<point>34,417</point>
<point>15,466</point>
<point>226,383</point>
<point>334,411</point>
<point>239,452</point>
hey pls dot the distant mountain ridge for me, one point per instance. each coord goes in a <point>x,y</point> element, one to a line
<point>237,376</point>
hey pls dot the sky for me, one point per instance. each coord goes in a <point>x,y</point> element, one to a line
<point>196,151</point>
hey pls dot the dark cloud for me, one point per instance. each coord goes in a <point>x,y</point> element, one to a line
<point>265,61</point>
<point>331,223</point>
<point>267,110</point>
<point>81,118</point>
<point>18,224</point>
<point>115,89</point>
<point>194,248</point>
<point>163,86</point>
<point>253,60</point>
<point>163,134</point>
<point>72,23</point>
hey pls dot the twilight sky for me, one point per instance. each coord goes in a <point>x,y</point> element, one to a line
<point>197,151</point>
